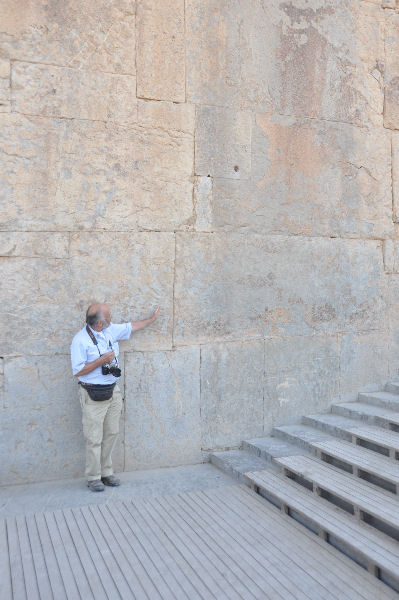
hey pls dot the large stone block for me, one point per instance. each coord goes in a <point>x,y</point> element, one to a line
<point>50,91</point>
<point>167,115</point>
<point>310,177</point>
<point>364,362</point>
<point>162,408</point>
<point>95,35</point>
<point>232,384</point>
<point>391,105</point>
<point>317,59</point>
<point>223,143</point>
<point>395,176</point>
<point>243,286</point>
<point>301,376</point>
<point>34,245</point>
<point>45,299</point>
<point>161,50</point>
<point>63,174</point>
<point>132,272</point>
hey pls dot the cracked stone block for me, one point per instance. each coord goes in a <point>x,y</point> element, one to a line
<point>391,106</point>
<point>306,59</point>
<point>231,393</point>
<point>50,91</point>
<point>223,143</point>
<point>166,115</point>
<point>248,285</point>
<point>64,174</point>
<point>162,426</point>
<point>5,71</point>
<point>161,50</point>
<point>310,177</point>
<point>99,36</point>
<point>301,376</point>
<point>27,244</point>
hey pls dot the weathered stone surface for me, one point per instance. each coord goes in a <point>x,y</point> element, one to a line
<point>232,381</point>
<point>301,376</point>
<point>161,50</point>
<point>44,299</point>
<point>162,408</point>
<point>316,59</point>
<point>63,174</point>
<point>310,177</point>
<point>98,36</point>
<point>203,204</point>
<point>364,361</point>
<point>166,115</point>
<point>5,71</point>
<point>223,143</point>
<point>29,245</point>
<point>50,91</point>
<point>393,340</point>
<point>132,272</point>
<point>242,286</point>
<point>391,105</point>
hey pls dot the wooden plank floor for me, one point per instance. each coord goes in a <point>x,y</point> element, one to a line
<point>220,543</point>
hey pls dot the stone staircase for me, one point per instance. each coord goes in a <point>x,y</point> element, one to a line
<point>337,474</point>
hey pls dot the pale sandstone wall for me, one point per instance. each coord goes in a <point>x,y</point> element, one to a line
<point>237,162</point>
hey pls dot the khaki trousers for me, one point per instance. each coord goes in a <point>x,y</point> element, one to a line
<point>100,427</point>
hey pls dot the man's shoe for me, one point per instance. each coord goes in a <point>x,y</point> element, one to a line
<point>95,485</point>
<point>111,480</point>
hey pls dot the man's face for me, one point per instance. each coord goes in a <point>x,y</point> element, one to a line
<point>107,315</point>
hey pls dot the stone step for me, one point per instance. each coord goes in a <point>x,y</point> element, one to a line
<point>364,500</point>
<point>238,462</point>
<point>375,551</point>
<point>270,447</point>
<point>385,399</point>
<point>392,387</point>
<point>372,437</point>
<point>376,415</point>
<point>361,462</point>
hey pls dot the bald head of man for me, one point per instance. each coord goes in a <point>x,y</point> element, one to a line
<point>98,316</point>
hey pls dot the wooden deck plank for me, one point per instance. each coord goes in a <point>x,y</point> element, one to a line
<point>5,573</point>
<point>378,503</point>
<point>28,567</point>
<point>207,575</point>
<point>361,537</point>
<point>56,582</point>
<point>17,573</point>
<point>181,564</point>
<point>90,569</point>
<point>334,562</point>
<point>262,561</point>
<point>240,569</point>
<point>155,567</point>
<point>76,566</point>
<point>132,567</point>
<point>299,569</point>
<point>42,577</point>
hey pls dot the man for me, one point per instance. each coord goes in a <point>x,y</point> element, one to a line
<point>94,357</point>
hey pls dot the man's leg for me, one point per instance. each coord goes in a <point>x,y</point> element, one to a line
<point>93,415</point>
<point>110,432</point>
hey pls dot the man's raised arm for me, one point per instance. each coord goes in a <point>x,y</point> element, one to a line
<point>136,325</point>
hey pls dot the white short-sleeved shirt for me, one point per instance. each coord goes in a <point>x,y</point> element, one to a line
<point>83,350</point>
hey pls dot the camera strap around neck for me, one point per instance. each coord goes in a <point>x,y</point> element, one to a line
<point>95,342</point>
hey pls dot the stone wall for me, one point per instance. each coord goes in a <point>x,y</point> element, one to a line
<point>236,162</point>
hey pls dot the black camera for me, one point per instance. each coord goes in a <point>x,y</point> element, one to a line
<point>111,370</point>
